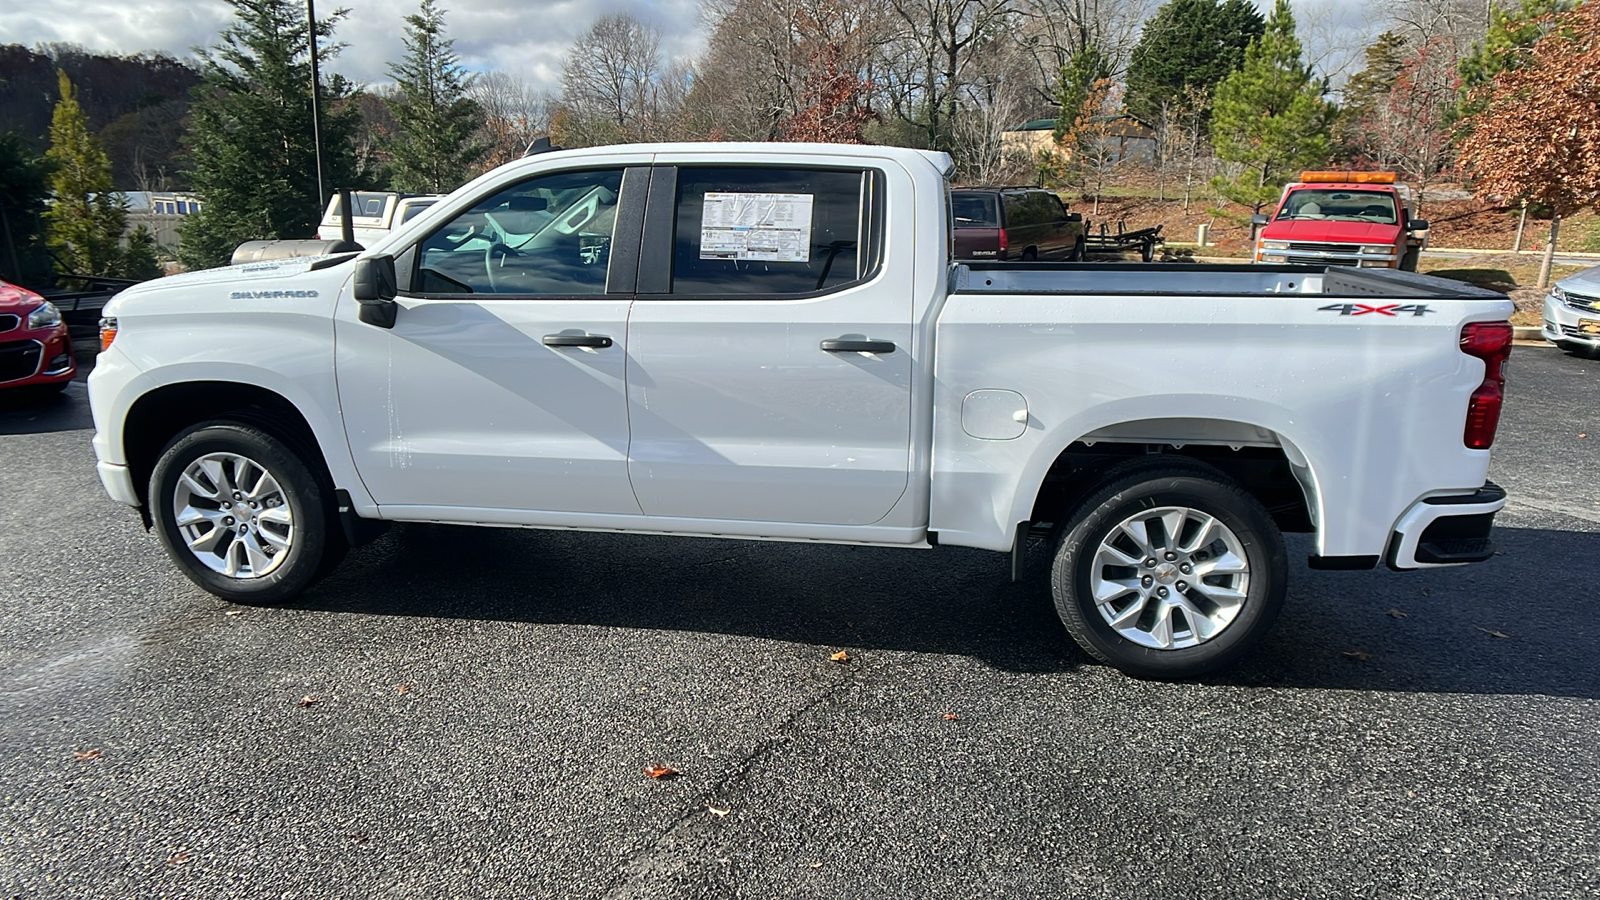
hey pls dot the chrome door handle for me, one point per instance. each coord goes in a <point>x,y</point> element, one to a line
<point>577,340</point>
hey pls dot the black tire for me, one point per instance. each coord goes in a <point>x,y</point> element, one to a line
<point>1141,486</point>
<point>1408,262</point>
<point>1029,255</point>
<point>316,544</point>
<point>1147,252</point>
<point>1078,250</point>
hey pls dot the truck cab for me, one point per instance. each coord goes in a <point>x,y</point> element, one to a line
<point>1360,219</point>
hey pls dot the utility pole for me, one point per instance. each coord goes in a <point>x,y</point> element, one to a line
<point>316,104</point>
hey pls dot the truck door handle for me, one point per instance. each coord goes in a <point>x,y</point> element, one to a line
<point>577,340</point>
<point>846,345</point>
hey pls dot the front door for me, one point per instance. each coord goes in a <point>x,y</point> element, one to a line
<point>501,385</point>
<point>769,351</point>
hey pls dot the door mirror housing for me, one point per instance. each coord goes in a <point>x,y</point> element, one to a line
<point>1417,225</point>
<point>375,288</point>
<point>1259,219</point>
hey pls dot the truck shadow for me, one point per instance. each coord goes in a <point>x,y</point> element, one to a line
<point>1513,625</point>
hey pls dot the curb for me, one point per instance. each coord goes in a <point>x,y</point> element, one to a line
<point>1536,253</point>
<point>1528,333</point>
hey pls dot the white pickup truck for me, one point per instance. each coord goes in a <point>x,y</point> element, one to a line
<point>771,341</point>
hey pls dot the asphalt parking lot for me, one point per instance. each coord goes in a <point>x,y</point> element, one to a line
<point>469,713</point>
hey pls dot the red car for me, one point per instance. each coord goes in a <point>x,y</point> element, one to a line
<point>35,351</point>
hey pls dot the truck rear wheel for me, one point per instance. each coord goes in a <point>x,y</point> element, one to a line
<point>1171,570</point>
<point>242,514</point>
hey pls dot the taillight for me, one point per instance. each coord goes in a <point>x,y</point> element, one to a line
<point>1490,342</point>
<point>108,332</point>
<point>1003,243</point>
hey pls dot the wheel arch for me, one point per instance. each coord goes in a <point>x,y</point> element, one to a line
<point>161,413</point>
<point>1269,465</point>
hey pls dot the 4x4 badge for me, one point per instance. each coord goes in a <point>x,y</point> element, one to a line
<point>1388,309</point>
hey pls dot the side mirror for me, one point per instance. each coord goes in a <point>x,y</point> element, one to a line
<point>1259,219</point>
<point>1417,225</point>
<point>375,289</point>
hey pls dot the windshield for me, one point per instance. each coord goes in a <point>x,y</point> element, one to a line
<point>975,210</point>
<point>1376,207</point>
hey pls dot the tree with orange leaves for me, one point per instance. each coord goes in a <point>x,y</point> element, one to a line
<point>1538,138</point>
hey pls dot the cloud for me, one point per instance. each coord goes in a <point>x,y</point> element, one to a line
<point>530,39</point>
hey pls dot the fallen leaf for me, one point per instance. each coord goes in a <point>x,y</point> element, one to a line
<point>1492,633</point>
<point>178,858</point>
<point>659,772</point>
<point>951,717</point>
<point>840,657</point>
<point>719,813</point>
<point>234,612</point>
<point>816,865</point>
<point>308,700</point>
<point>402,689</point>
<point>91,753</point>
<point>1582,435</point>
<point>359,837</point>
<point>1396,614</point>
<point>1356,654</point>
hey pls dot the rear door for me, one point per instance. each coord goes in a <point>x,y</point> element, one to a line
<point>769,346</point>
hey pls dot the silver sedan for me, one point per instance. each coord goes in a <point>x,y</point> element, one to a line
<point>1572,313</point>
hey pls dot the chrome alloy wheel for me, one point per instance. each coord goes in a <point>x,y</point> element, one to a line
<point>233,516</point>
<point>1170,577</point>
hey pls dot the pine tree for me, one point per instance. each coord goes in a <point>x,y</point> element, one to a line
<point>1084,69</point>
<point>252,158</point>
<point>24,187</point>
<point>86,221</point>
<point>1271,117</point>
<point>1188,46</point>
<point>433,147</point>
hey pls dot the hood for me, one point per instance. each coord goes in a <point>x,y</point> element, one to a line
<point>19,300</point>
<point>265,271</point>
<point>1331,231</point>
<point>1586,283</point>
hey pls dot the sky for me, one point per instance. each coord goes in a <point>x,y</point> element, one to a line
<point>526,37</point>
<point>529,38</point>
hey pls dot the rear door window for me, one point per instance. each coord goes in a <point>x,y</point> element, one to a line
<point>763,231</point>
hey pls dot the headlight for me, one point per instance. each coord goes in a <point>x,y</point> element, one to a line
<point>1559,295</point>
<point>1385,249</point>
<point>108,332</point>
<point>46,316</point>
<point>1274,245</point>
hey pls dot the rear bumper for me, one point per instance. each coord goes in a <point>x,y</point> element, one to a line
<point>1446,531</point>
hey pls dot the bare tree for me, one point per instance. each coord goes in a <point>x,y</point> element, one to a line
<point>1054,30</point>
<point>514,115</point>
<point>610,82</point>
<point>760,54</point>
<point>931,58</point>
<point>1334,36</point>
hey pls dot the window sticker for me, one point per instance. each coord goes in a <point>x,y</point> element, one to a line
<point>772,227</point>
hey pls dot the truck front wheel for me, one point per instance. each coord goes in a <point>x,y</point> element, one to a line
<point>241,514</point>
<point>1171,570</point>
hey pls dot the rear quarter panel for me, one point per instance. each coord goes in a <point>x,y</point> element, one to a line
<point>1373,405</point>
